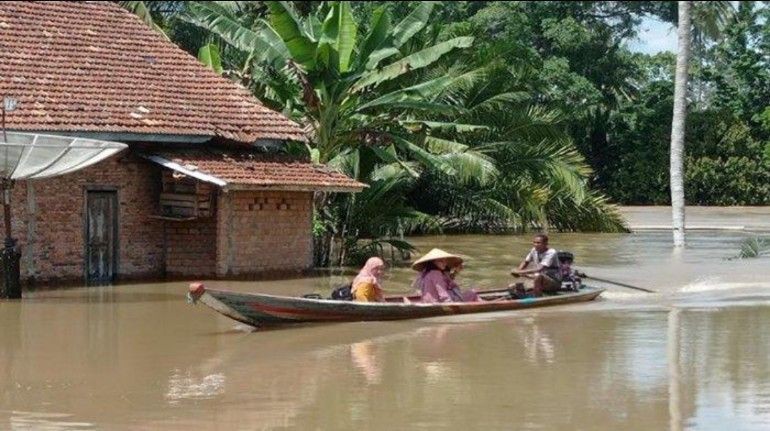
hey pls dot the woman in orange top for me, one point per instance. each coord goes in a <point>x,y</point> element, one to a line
<point>367,284</point>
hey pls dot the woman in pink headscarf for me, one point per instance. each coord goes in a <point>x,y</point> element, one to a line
<point>367,286</point>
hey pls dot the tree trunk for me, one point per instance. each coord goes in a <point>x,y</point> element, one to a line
<point>678,123</point>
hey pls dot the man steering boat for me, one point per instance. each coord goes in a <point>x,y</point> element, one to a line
<point>542,265</point>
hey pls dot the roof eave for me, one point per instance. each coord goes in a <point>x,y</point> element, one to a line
<point>202,176</point>
<point>355,187</point>
<point>122,136</point>
<point>296,187</point>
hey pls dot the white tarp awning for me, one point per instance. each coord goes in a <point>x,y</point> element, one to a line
<point>31,156</point>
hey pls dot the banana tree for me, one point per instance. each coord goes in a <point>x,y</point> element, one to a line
<point>361,95</point>
<point>319,70</point>
<point>141,9</point>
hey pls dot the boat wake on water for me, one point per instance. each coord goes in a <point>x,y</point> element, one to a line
<point>711,292</point>
<point>715,292</point>
<point>624,295</point>
<point>717,284</point>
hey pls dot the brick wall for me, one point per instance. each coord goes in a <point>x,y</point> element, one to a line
<point>191,247</point>
<point>48,220</point>
<point>263,232</point>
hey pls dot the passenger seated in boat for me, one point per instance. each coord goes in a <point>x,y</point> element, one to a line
<point>367,286</point>
<point>436,279</point>
<point>544,269</point>
<point>570,277</point>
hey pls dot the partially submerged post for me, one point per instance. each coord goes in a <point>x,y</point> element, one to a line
<point>26,156</point>
<point>10,255</point>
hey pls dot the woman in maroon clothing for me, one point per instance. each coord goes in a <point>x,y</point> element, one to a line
<point>435,282</point>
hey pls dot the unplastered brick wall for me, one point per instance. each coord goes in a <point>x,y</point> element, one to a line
<point>48,220</point>
<point>261,232</point>
<point>191,247</point>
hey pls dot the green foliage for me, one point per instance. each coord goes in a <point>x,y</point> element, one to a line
<point>398,100</point>
<point>318,224</point>
<point>209,56</point>
<point>754,247</point>
<point>627,141</point>
<point>538,170</point>
<point>728,181</point>
<point>493,116</point>
<point>724,161</point>
<point>617,105</point>
<point>145,13</point>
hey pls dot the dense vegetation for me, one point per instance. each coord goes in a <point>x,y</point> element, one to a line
<point>727,160</point>
<point>494,116</point>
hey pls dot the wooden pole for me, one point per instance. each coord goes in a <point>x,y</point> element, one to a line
<point>10,257</point>
<point>7,209</point>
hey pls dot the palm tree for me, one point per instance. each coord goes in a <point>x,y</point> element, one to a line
<point>678,123</point>
<point>710,17</point>
<point>541,178</point>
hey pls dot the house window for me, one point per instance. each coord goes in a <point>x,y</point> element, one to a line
<point>185,198</point>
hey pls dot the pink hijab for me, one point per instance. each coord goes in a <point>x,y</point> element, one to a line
<point>366,275</point>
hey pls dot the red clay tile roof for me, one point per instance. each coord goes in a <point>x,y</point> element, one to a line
<point>94,67</point>
<point>251,170</point>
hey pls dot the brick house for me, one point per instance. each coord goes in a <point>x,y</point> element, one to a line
<point>195,195</point>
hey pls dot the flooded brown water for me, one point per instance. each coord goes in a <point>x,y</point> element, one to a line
<point>694,356</point>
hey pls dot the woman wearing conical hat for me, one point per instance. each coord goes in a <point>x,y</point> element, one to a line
<point>435,282</point>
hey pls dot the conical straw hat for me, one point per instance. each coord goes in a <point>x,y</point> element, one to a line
<point>436,254</point>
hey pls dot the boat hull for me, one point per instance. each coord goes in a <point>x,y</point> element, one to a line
<point>258,310</point>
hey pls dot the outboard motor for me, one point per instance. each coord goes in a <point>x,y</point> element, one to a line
<point>569,278</point>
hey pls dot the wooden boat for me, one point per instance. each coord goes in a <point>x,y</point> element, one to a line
<point>259,310</point>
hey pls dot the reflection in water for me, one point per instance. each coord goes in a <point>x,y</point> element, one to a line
<point>38,421</point>
<point>186,387</point>
<point>598,367</point>
<point>537,345</point>
<point>432,347</point>
<point>724,357</point>
<point>10,343</point>
<point>363,356</point>
<point>138,357</point>
<point>673,371</point>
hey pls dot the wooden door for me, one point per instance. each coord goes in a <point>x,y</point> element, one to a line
<point>101,236</point>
